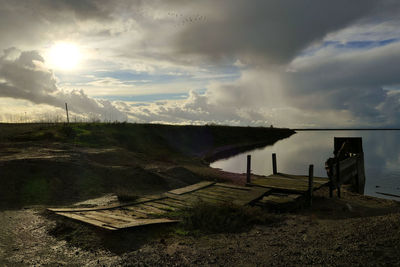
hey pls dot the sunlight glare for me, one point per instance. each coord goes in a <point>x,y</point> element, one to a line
<point>64,56</point>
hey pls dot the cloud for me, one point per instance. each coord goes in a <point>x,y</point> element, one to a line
<point>23,75</point>
<point>271,32</point>
<point>351,81</point>
<point>283,62</point>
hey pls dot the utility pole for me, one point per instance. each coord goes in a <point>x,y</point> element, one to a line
<point>66,109</point>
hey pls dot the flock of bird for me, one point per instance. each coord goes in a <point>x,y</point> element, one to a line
<point>183,20</point>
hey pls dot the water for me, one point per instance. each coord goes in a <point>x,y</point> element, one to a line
<point>294,154</point>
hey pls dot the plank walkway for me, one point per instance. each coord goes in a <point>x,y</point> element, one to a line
<point>274,190</point>
<point>289,182</point>
<point>150,209</point>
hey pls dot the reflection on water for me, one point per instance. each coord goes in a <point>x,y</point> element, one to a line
<point>294,154</point>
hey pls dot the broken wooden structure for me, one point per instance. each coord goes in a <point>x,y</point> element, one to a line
<point>286,189</point>
<point>277,190</point>
<point>153,209</point>
<point>347,165</point>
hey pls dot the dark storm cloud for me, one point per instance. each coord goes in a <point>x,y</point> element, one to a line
<point>82,9</point>
<point>274,31</point>
<point>352,81</point>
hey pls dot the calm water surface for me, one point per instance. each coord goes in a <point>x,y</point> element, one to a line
<point>294,154</point>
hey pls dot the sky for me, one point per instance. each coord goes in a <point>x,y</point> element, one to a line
<point>287,63</point>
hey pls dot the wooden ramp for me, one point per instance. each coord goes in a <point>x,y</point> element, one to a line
<point>150,209</point>
<point>287,190</point>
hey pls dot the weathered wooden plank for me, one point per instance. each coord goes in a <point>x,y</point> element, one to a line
<point>297,179</point>
<point>232,186</point>
<point>174,203</point>
<point>145,209</point>
<point>142,222</point>
<point>255,194</point>
<point>160,206</point>
<point>191,188</point>
<point>82,218</point>
<point>217,194</point>
<point>106,218</point>
<point>281,184</point>
<point>170,203</point>
<point>225,191</point>
<point>113,206</point>
<point>289,184</point>
<point>206,196</point>
<point>118,216</point>
<point>321,180</point>
<point>124,212</point>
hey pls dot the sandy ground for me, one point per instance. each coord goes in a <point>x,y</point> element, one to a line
<point>355,230</point>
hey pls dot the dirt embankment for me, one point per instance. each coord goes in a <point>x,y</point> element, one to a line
<point>52,165</point>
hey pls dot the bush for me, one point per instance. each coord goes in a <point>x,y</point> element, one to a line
<point>213,218</point>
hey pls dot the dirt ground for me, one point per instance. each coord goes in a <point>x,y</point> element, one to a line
<point>355,230</point>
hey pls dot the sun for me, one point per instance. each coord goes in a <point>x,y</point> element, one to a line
<point>64,56</point>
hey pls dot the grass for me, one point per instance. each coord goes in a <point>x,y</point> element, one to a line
<point>216,218</point>
<point>155,140</point>
<point>125,195</point>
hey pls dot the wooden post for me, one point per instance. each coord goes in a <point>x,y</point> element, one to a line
<point>310,184</point>
<point>274,169</point>
<point>248,179</point>
<point>66,109</point>
<point>338,181</point>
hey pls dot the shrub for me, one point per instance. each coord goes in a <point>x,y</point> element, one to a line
<point>213,218</point>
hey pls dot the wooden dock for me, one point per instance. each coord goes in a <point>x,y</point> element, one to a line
<point>150,210</point>
<point>287,189</point>
<point>278,190</point>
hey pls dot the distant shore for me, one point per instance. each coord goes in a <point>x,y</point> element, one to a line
<point>345,129</point>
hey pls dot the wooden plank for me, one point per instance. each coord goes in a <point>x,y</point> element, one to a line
<point>191,188</point>
<point>146,209</point>
<point>118,216</point>
<point>160,206</point>
<point>255,194</point>
<point>217,194</point>
<point>205,196</point>
<point>142,222</point>
<point>169,202</point>
<point>226,191</point>
<point>124,212</point>
<point>114,206</point>
<point>321,180</point>
<point>102,217</point>
<point>174,203</point>
<point>82,218</point>
<point>282,184</point>
<point>232,186</point>
<point>195,199</point>
<point>288,184</point>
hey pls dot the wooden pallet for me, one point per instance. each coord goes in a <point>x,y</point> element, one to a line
<point>150,209</point>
